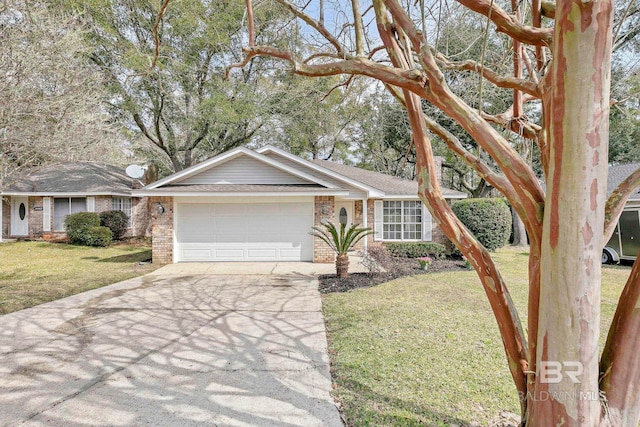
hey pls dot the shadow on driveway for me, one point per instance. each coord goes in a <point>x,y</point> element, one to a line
<point>171,350</point>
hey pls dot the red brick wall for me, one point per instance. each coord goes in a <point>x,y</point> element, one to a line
<point>6,216</point>
<point>370,222</point>
<point>103,204</point>
<point>357,219</point>
<point>141,215</point>
<point>161,230</point>
<point>324,207</point>
<point>35,217</point>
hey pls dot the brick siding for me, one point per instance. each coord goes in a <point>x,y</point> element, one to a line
<point>35,216</point>
<point>6,216</point>
<point>357,219</point>
<point>140,217</point>
<point>324,207</point>
<point>161,230</point>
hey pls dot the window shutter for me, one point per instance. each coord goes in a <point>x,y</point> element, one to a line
<point>378,217</point>
<point>427,224</point>
<point>46,214</point>
<point>91,204</point>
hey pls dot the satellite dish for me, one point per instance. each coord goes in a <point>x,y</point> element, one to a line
<point>135,171</point>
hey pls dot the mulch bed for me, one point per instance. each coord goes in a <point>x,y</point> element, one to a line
<point>399,267</point>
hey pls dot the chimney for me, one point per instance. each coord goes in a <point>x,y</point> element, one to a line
<point>438,161</point>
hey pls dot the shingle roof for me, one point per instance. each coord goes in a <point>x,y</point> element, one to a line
<point>619,173</point>
<point>77,177</point>
<point>390,185</point>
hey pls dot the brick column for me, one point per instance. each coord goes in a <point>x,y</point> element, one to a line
<point>371,224</point>
<point>357,219</point>
<point>6,216</point>
<point>324,207</point>
<point>161,230</point>
<point>35,217</point>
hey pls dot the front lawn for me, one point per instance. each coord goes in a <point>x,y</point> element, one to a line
<point>33,273</point>
<point>425,350</point>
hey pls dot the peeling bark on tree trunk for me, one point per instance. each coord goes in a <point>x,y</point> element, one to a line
<point>569,309</point>
<point>556,372</point>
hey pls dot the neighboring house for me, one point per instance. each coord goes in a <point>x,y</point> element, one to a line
<point>625,242</point>
<point>35,205</point>
<point>246,205</point>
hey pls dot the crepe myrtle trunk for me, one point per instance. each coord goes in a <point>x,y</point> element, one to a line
<point>573,224</point>
<point>555,366</point>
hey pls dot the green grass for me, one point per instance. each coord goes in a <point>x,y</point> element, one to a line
<point>425,350</point>
<point>33,273</point>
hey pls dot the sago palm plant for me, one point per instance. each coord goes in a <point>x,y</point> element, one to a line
<point>341,241</point>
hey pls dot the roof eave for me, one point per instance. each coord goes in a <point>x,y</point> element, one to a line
<point>372,192</point>
<point>65,193</point>
<point>165,193</point>
<point>230,155</point>
<point>415,196</point>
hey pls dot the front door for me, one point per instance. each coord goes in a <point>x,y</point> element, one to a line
<point>344,214</point>
<point>19,216</point>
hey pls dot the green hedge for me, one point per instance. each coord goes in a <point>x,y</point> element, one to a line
<point>415,249</point>
<point>83,228</point>
<point>99,236</point>
<point>488,219</point>
<point>116,221</point>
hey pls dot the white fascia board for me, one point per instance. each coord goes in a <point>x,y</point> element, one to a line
<point>196,168</point>
<point>229,155</point>
<point>62,194</point>
<point>236,194</point>
<point>415,196</point>
<point>372,192</point>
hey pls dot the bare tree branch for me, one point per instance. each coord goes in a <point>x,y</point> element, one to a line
<point>509,25</point>
<point>156,36</point>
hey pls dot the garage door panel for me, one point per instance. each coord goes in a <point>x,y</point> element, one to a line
<point>267,254</point>
<point>244,231</point>
<point>229,254</point>
<point>195,254</point>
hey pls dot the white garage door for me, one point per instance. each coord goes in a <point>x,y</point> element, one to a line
<point>244,232</point>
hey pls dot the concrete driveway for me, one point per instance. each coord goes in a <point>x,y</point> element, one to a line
<point>172,348</point>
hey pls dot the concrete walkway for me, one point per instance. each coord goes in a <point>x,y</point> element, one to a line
<point>180,349</point>
<point>260,268</point>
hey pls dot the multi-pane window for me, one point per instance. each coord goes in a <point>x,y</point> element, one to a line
<point>63,206</point>
<point>122,204</point>
<point>402,220</point>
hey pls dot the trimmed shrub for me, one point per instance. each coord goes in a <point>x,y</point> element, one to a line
<point>99,236</point>
<point>116,221</point>
<point>78,225</point>
<point>488,219</point>
<point>415,249</point>
<point>83,228</point>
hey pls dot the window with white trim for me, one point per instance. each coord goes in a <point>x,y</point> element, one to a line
<point>122,204</point>
<point>402,220</point>
<point>63,206</point>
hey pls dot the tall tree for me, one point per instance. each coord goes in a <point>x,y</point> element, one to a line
<point>316,118</point>
<point>555,365</point>
<point>50,99</point>
<point>176,96</point>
